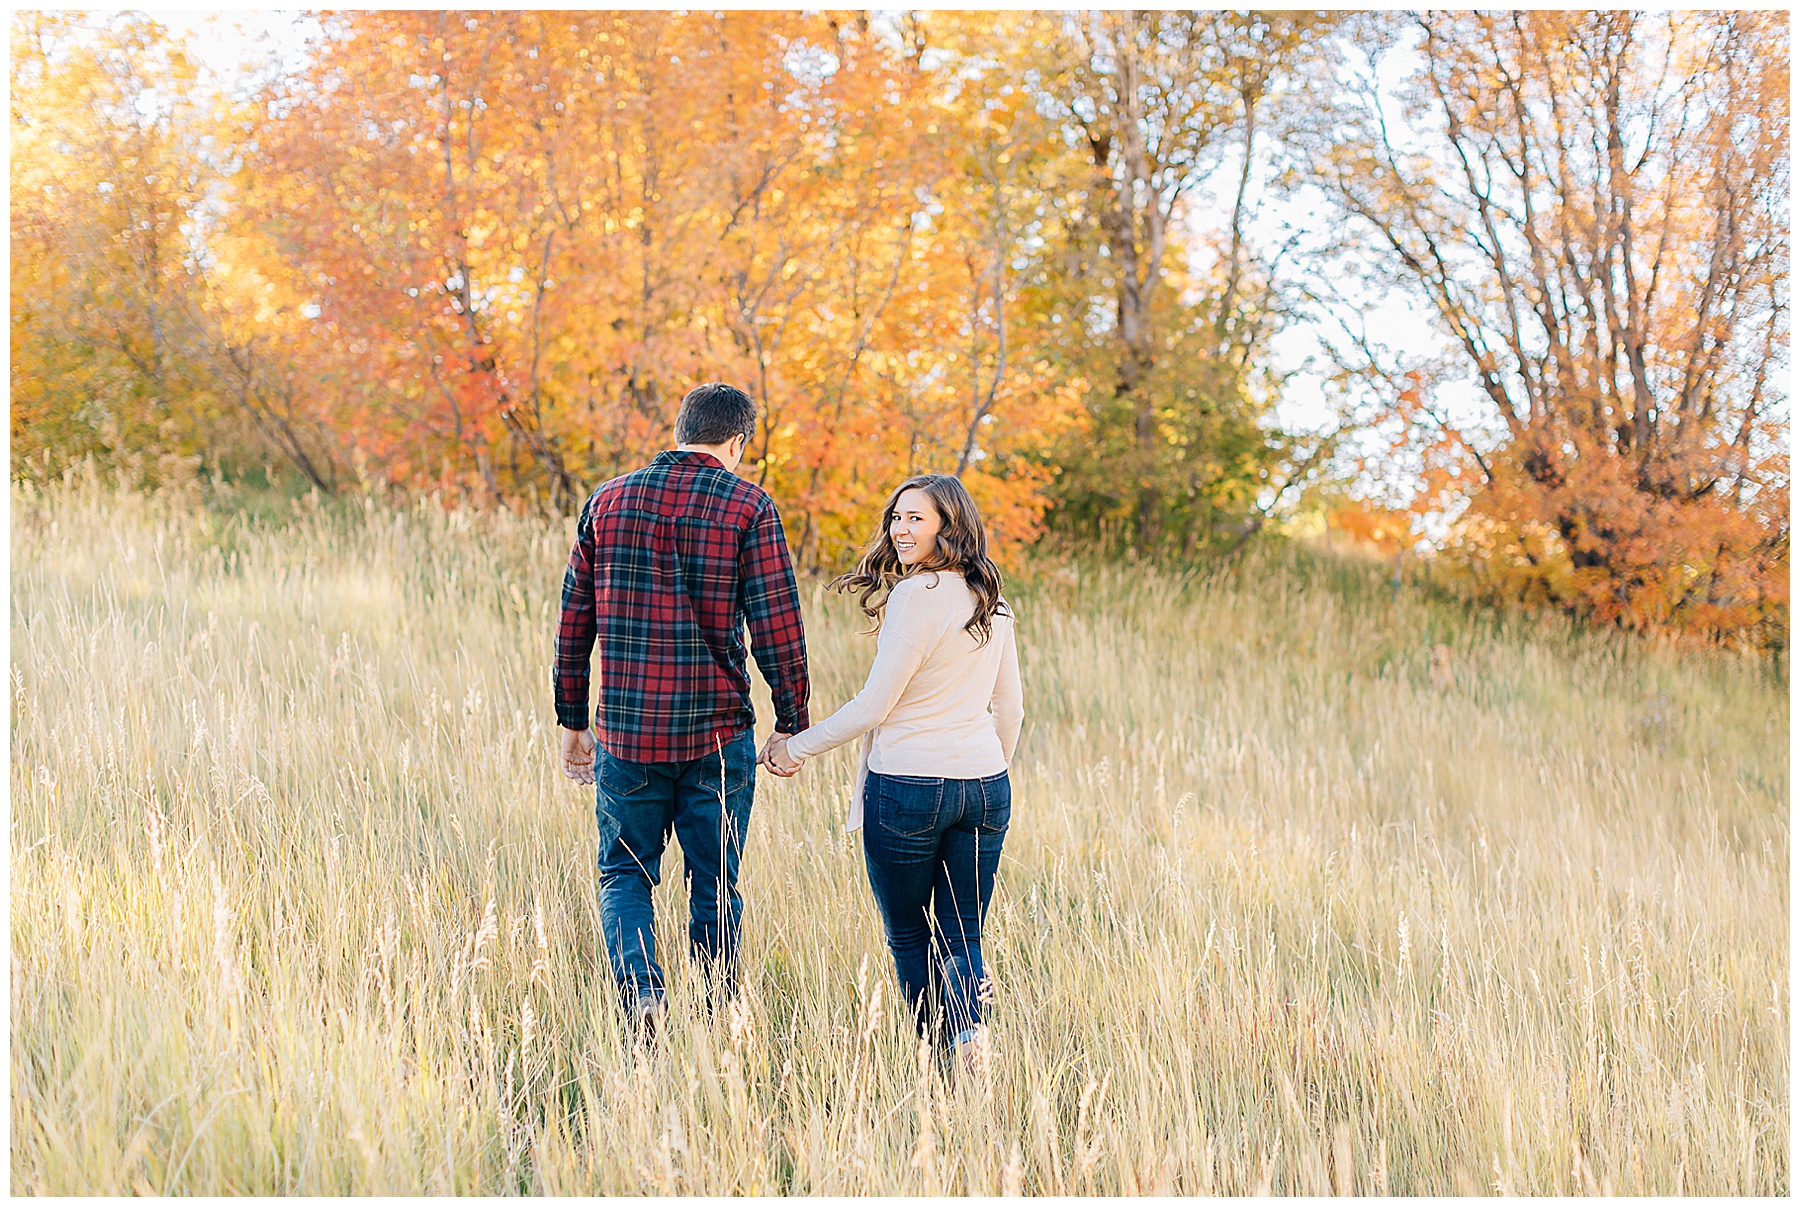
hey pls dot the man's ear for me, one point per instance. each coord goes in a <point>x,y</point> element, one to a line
<point>742,440</point>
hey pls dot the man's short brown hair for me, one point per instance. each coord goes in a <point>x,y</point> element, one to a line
<point>714,413</point>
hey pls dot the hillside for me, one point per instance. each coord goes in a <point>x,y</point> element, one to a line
<point>301,904</point>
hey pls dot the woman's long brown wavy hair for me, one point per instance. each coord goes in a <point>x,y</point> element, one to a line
<point>962,545</point>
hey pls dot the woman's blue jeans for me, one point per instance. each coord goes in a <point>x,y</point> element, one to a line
<point>705,803</point>
<point>932,846</point>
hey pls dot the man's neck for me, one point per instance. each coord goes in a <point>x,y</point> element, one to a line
<point>718,452</point>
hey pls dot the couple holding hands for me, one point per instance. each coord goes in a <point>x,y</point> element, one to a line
<point>670,563</point>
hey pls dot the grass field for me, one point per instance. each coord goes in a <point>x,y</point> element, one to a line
<point>300,902</point>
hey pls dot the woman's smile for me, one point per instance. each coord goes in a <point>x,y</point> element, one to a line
<point>913,527</point>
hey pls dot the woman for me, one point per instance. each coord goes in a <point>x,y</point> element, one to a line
<point>932,783</point>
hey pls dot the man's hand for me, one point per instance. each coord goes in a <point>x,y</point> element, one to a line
<point>762,756</point>
<point>578,755</point>
<point>775,756</point>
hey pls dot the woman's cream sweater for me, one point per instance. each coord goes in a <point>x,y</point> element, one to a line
<point>926,705</point>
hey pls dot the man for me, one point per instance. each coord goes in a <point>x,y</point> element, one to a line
<point>668,563</point>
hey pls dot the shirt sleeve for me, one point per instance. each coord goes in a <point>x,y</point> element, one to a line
<point>1009,698</point>
<point>575,630</point>
<point>772,610</point>
<point>900,649</point>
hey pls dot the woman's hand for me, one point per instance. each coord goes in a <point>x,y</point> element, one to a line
<point>776,758</point>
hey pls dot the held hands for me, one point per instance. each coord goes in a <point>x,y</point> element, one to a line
<point>775,757</point>
<point>578,755</point>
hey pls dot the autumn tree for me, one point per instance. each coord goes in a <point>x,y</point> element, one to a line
<point>1155,107</point>
<point>964,362</point>
<point>1593,206</point>
<point>99,196</point>
<point>126,348</point>
<point>522,237</point>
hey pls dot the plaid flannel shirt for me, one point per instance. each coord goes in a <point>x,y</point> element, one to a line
<point>668,562</point>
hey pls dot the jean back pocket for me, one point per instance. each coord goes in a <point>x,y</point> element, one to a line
<point>908,805</point>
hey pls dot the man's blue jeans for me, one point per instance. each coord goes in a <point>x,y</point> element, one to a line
<point>932,846</point>
<point>705,802</point>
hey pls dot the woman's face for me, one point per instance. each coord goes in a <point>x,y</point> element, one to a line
<point>913,526</point>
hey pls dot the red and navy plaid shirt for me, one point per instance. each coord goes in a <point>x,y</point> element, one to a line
<point>668,562</point>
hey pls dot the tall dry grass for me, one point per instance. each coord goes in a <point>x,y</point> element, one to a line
<point>300,902</point>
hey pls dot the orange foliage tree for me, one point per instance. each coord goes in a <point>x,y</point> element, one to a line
<point>525,235</point>
<point>127,345</point>
<point>1594,207</point>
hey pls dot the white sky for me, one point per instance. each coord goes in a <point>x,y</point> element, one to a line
<point>226,42</point>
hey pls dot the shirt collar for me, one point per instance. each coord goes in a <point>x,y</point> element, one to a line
<point>676,456</point>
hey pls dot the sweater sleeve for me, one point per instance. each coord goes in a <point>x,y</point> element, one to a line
<point>907,635</point>
<point>1009,698</point>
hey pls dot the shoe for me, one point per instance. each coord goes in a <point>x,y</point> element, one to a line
<point>647,1014</point>
<point>971,1054</point>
